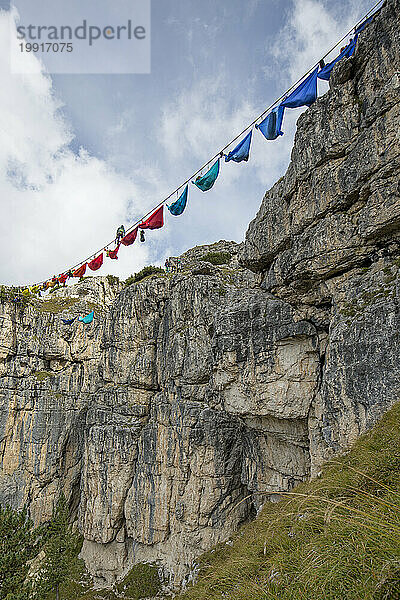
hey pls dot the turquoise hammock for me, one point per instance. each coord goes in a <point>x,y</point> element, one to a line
<point>179,206</point>
<point>88,319</point>
<point>206,182</point>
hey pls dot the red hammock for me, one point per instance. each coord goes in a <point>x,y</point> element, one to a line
<point>63,278</point>
<point>81,271</point>
<point>113,254</point>
<point>96,263</point>
<point>129,239</point>
<point>155,221</point>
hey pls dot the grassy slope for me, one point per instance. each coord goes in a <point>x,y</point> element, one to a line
<point>337,537</point>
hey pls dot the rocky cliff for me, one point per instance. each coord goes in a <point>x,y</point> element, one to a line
<point>194,398</point>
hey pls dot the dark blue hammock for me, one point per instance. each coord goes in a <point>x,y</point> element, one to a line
<point>362,25</point>
<point>271,126</point>
<point>242,150</point>
<point>179,206</point>
<point>206,182</point>
<point>325,73</point>
<point>305,94</point>
<point>68,321</point>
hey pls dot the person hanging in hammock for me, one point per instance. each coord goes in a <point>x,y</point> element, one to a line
<point>120,234</point>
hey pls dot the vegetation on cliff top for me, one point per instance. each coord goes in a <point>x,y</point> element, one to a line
<point>217,258</point>
<point>336,537</point>
<point>55,305</point>
<point>143,274</point>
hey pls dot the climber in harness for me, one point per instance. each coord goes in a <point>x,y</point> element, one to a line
<point>142,237</point>
<point>167,265</point>
<point>120,234</point>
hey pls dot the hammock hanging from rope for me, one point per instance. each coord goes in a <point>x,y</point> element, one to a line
<point>88,319</point>
<point>130,238</point>
<point>96,263</point>
<point>361,27</point>
<point>68,321</point>
<point>271,126</point>
<point>155,221</point>
<point>63,278</point>
<point>80,272</point>
<point>326,71</point>
<point>205,182</point>
<point>241,151</point>
<point>179,206</point>
<point>305,94</point>
<point>113,254</point>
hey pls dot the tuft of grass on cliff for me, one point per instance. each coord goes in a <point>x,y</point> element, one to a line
<point>142,582</point>
<point>335,537</point>
<point>145,273</point>
<point>216,258</point>
<point>55,305</point>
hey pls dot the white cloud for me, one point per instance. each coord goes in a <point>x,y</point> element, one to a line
<point>56,206</point>
<point>311,30</point>
<point>197,124</point>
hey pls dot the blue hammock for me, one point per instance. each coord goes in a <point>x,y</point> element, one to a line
<point>242,150</point>
<point>325,73</point>
<point>305,94</point>
<point>68,321</point>
<point>88,319</point>
<point>206,182</point>
<point>361,27</point>
<point>271,126</point>
<point>179,206</point>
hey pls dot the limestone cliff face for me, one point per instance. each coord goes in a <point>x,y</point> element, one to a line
<point>327,236</point>
<point>194,398</point>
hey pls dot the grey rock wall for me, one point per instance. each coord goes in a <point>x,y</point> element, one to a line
<point>327,236</point>
<point>194,398</point>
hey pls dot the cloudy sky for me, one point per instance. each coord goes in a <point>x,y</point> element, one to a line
<point>81,154</point>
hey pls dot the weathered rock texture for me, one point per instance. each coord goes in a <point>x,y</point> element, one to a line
<point>194,398</point>
<point>327,236</point>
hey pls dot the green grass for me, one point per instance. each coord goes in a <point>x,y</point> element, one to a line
<point>8,294</point>
<point>55,305</point>
<point>112,279</point>
<point>337,537</point>
<point>141,582</point>
<point>217,258</point>
<point>143,274</point>
<point>93,306</point>
<point>42,375</point>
